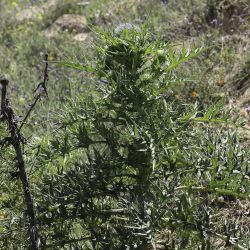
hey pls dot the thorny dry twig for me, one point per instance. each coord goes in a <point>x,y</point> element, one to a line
<point>16,140</point>
<point>41,86</point>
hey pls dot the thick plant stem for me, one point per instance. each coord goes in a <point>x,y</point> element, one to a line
<point>15,140</point>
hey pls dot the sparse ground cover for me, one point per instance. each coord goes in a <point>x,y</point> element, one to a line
<point>222,70</point>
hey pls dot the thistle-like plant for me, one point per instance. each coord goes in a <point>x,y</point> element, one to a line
<point>130,167</point>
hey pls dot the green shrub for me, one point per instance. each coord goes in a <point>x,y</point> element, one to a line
<point>131,167</point>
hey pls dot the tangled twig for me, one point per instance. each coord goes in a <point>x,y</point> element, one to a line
<point>43,91</point>
<point>16,140</point>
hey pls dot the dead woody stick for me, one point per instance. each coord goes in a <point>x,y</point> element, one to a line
<point>15,140</point>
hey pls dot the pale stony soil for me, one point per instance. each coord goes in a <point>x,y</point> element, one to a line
<point>34,12</point>
<point>76,25</point>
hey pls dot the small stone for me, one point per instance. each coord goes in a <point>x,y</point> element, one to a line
<point>68,23</point>
<point>80,37</point>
